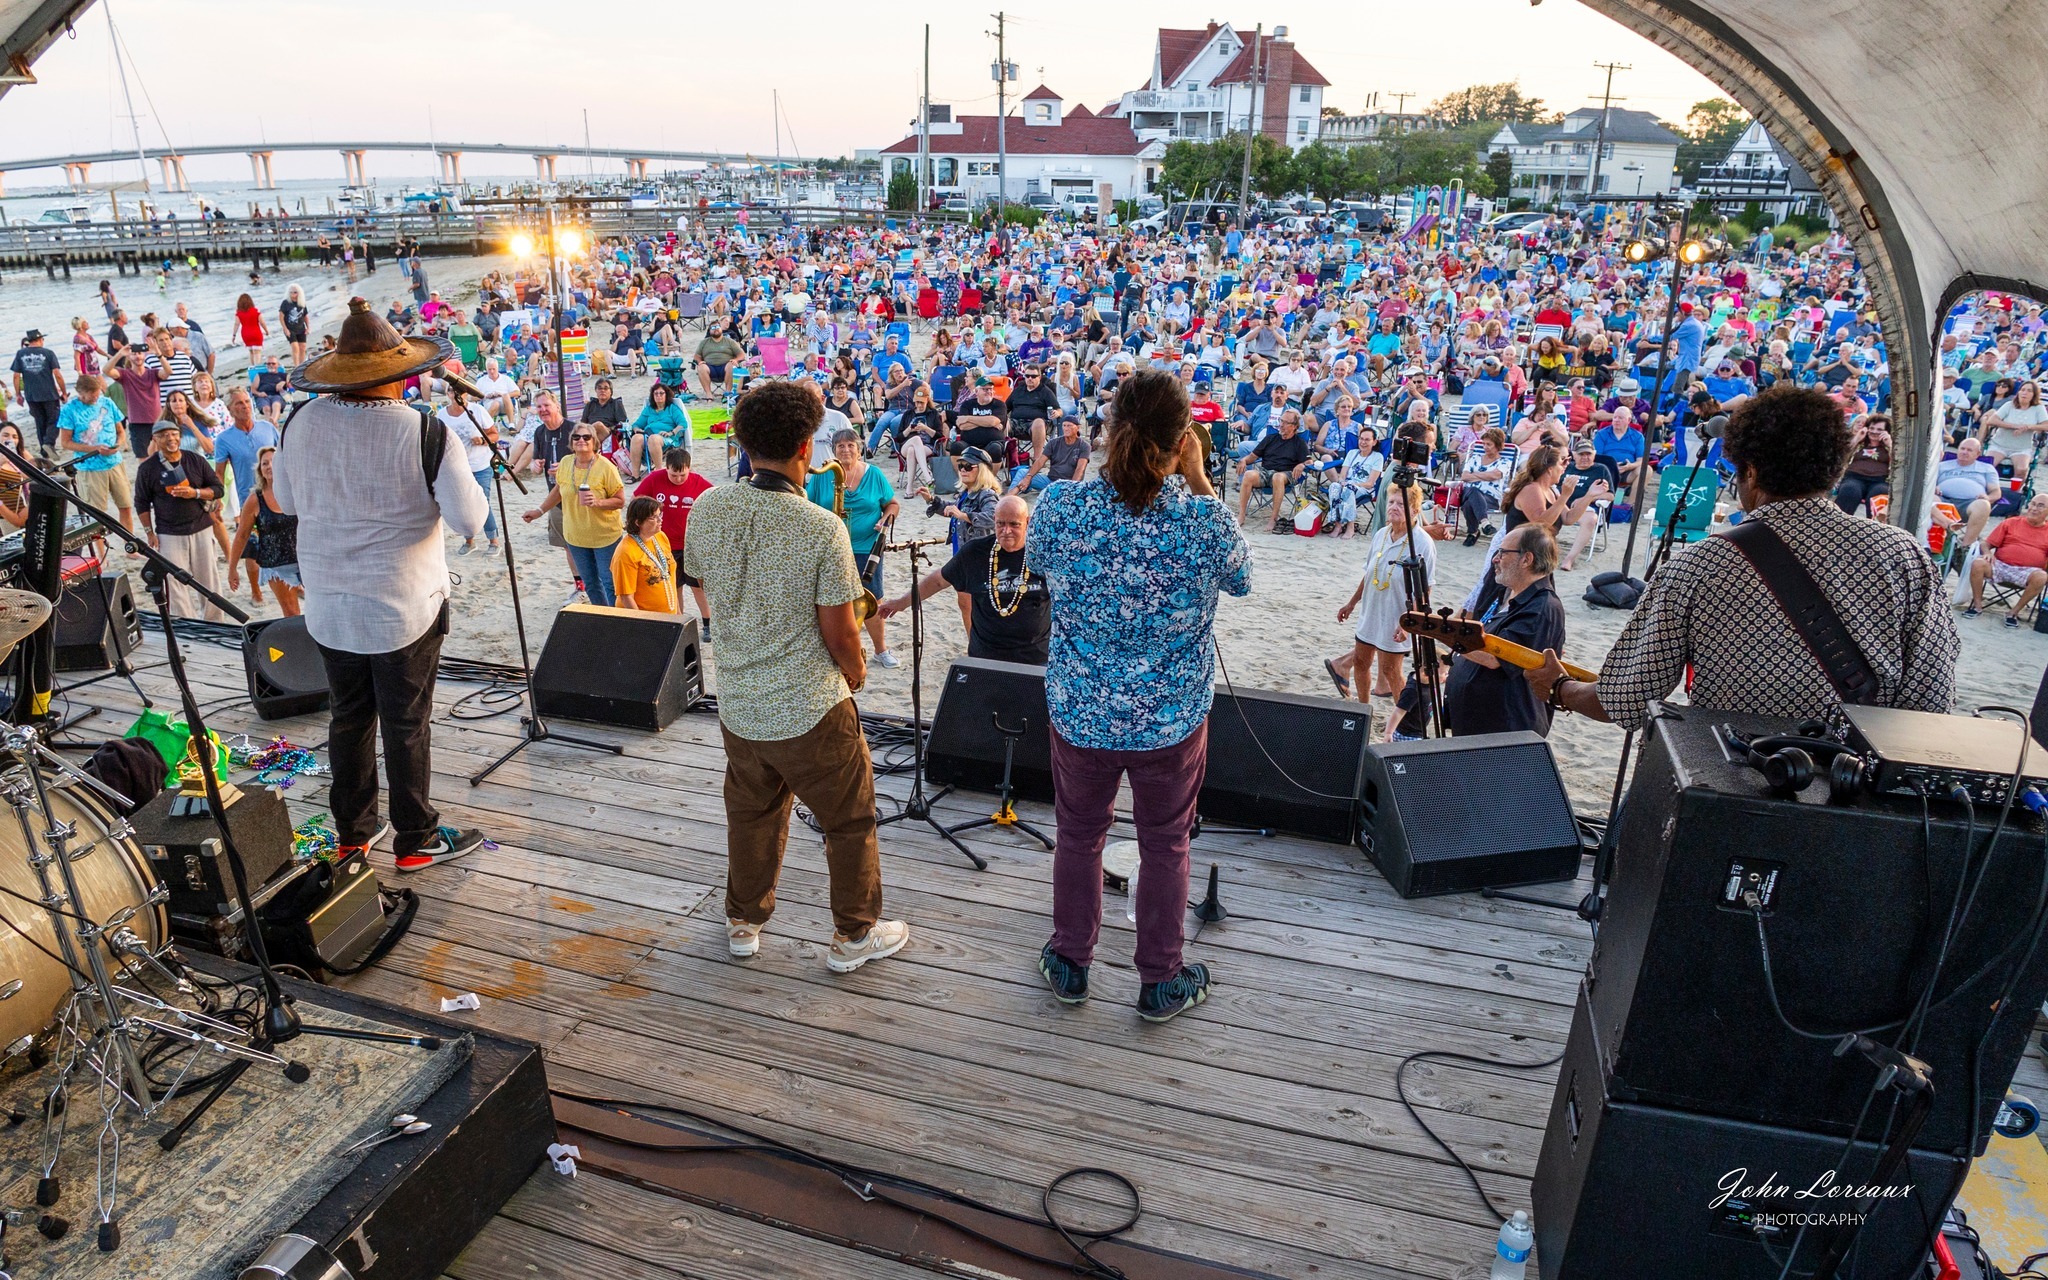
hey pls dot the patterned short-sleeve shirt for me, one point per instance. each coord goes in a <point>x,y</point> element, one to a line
<point>1132,661</point>
<point>1709,610</point>
<point>768,560</point>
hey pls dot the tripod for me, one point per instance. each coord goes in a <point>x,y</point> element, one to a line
<point>279,1021</point>
<point>1006,813</point>
<point>532,728</point>
<point>916,806</point>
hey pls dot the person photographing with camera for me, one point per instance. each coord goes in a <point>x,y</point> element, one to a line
<point>1133,560</point>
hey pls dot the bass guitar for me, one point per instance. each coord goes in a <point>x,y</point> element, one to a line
<point>1468,635</point>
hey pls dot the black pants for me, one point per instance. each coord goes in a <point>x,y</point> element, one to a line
<point>397,689</point>
<point>45,414</point>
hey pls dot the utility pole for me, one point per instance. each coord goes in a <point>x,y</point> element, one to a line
<point>1600,137</point>
<point>1004,71</point>
<point>1251,127</point>
<point>924,125</point>
<point>1401,101</point>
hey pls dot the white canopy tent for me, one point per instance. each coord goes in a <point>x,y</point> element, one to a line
<point>1923,123</point>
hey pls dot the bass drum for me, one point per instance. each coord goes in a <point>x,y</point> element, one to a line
<point>111,877</point>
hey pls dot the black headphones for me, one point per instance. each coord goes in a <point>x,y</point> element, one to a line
<point>1787,762</point>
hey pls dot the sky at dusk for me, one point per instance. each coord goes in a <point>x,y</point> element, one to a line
<point>688,77</point>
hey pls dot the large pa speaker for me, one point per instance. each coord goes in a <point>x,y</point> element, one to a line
<point>1856,900</point>
<point>1625,1190</point>
<point>964,749</point>
<point>97,622</point>
<point>287,676</point>
<point>1451,815</point>
<point>1283,762</point>
<point>623,667</point>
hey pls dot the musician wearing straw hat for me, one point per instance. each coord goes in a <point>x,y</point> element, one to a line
<point>372,480</point>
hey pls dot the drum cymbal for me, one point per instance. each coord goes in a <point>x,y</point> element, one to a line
<point>21,612</point>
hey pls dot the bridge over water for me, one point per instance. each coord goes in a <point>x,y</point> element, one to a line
<point>171,160</point>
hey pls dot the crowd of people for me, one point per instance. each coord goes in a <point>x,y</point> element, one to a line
<point>959,368</point>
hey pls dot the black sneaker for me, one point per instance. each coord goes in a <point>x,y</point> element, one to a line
<point>1069,981</point>
<point>445,845</point>
<point>1161,1001</point>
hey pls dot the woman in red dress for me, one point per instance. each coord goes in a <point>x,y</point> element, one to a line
<point>250,321</point>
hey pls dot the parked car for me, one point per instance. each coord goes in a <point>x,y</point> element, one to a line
<point>1521,220</point>
<point>1083,204</point>
<point>1042,200</point>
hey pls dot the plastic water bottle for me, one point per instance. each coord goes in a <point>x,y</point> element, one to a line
<point>1511,1255</point>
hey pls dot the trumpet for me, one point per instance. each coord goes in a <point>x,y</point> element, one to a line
<point>867,606</point>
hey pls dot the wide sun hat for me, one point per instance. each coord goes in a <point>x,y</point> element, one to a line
<point>369,353</point>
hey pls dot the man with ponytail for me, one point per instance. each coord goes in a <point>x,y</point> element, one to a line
<point>1134,559</point>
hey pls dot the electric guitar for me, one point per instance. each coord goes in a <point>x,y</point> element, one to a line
<point>1468,635</point>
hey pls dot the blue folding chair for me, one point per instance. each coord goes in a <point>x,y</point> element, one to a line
<point>946,381</point>
<point>1494,395</point>
<point>899,330</point>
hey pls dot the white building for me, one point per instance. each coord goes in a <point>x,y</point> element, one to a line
<point>1201,87</point>
<point>1638,156</point>
<point>1757,168</point>
<point>1050,149</point>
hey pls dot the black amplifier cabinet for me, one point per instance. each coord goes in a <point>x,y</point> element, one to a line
<point>1855,901</point>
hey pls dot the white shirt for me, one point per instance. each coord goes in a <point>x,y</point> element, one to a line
<point>468,427</point>
<point>821,440</point>
<point>497,384</point>
<point>1295,380</point>
<point>369,535</point>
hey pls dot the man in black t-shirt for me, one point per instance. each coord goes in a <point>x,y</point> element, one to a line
<point>1034,408</point>
<point>980,421</point>
<point>1277,461</point>
<point>172,489</point>
<point>1586,471</point>
<point>39,382</point>
<point>1006,609</point>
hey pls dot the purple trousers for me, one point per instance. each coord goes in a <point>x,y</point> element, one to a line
<point>1164,781</point>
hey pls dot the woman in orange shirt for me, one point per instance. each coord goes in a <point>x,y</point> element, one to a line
<point>644,566</point>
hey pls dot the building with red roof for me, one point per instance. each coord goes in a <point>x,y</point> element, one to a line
<point>1216,80</point>
<point>1051,151</point>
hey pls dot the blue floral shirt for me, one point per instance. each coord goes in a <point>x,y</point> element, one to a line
<point>1132,661</point>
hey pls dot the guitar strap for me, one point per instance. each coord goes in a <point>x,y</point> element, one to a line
<point>1816,621</point>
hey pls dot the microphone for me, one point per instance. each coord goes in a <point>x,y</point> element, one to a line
<point>461,383</point>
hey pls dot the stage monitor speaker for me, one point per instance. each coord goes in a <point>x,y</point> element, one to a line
<point>1285,762</point>
<point>1856,899</point>
<point>1453,815</point>
<point>286,674</point>
<point>623,667</point>
<point>964,750</point>
<point>1624,1190</point>
<point>97,622</point>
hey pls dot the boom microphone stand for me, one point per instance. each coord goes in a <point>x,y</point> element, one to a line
<point>532,728</point>
<point>916,807</point>
<point>279,1022</point>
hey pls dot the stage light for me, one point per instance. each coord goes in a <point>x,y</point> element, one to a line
<point>1693,252</point>
<point>570,240</point>
<point>1643,250</point>
<point>521,245</point>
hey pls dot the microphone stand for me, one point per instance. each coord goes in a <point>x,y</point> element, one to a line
<point>279,1022</point>
<point>532,728</point>
<point>916,806</point>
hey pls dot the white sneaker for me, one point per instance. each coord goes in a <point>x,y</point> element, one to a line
<point>886,659</point>
<point>742,939</point>
<point>883,941</point>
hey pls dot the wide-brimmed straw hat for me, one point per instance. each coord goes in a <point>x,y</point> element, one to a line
<point>369,353</point>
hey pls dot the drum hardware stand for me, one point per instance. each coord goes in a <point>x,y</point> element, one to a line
<point>1006,813</point>
<point>279,1023</point>
<point>532,728</point>
<point>917,807</point>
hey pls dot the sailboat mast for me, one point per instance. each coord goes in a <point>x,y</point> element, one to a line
<point>134,121</point>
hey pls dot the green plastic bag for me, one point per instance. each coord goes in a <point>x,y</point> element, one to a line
<point>172,739</point>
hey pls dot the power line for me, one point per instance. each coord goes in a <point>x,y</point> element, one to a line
<point>1600,136</point>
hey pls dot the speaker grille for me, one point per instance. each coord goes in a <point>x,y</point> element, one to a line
<point>1449,806</point>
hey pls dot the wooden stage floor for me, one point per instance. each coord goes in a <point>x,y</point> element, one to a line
<point>1262,1130</point>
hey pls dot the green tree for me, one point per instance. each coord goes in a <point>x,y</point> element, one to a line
<point>1500,170</point>
<point>1190,169</point>
<point>1326,172</point>
<point>1474,103</point>
<point>903,192</point>
<point>1710,128</point>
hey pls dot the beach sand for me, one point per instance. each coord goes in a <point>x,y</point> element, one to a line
<point>1274,639</point>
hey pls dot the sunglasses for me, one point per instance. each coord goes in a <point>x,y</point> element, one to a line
<point>582,439</point>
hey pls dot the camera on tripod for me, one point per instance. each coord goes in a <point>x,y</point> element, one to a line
<point>1410,458</point>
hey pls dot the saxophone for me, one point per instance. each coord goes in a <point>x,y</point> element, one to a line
<point>865,607</point>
